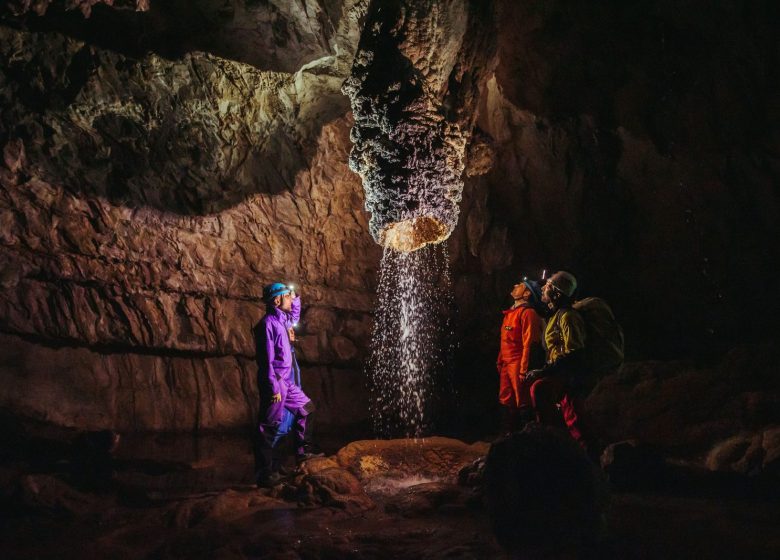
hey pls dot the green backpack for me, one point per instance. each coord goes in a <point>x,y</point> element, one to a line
<point>604,344</point>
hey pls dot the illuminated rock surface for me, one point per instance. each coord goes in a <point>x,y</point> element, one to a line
<point>146,201</point>
<point>167,497</point>
<point>414,87</point>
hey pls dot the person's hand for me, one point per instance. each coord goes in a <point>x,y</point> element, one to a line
<point>532,375</point>
<point>276,398</point>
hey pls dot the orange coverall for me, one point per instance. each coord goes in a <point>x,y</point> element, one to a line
<point>521,331</point>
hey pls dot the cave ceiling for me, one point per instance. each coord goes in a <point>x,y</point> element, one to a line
<point>187,107</point>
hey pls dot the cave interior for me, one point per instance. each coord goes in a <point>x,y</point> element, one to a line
<point>163,160</point>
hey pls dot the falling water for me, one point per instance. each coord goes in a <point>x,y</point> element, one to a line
<point>411,344</point>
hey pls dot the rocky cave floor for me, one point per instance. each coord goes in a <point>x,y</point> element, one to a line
<point>163,496</point>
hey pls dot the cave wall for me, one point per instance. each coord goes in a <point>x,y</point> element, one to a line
<point>636,145</point>
<point>146,201</point>
<point>154,178</point>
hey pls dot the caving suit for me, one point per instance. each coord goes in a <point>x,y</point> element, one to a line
<point>520,350</point>
<point>564,336</point>
<point>276,375</point>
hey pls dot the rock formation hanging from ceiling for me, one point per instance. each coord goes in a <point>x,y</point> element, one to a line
<point>414,88</point>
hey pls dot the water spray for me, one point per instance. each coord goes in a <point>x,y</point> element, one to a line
<point>410,344</point>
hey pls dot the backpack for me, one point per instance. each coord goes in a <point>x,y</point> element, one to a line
<point>604,347</point>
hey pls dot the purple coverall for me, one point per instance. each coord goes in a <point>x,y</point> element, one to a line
<point>275,376</point>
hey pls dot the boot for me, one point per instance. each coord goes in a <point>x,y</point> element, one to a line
<point>269,481</point>
<point>508,420</point>
<point>525,415</point>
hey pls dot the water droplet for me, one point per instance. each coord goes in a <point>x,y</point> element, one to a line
<point>410,350</point>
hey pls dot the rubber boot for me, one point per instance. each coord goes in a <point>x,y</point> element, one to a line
<point>525,415</point>
<point>508,420</point>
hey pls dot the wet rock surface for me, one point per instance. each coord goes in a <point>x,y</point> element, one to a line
<point>174,497</point>
<point>433,457</point>
<point>324,508</point>
<point>414,113</point>
<point>139,286</point>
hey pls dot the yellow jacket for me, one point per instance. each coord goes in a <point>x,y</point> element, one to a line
<point>564,334</point>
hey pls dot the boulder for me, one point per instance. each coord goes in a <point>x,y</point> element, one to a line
<point>542,492</point>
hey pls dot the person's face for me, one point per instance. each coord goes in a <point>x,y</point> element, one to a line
<point>520,291</point>
<point>284,302</point>
<point>549,293</point>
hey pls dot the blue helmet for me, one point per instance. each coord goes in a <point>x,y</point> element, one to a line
<point>275,289</point>
<point>536,293</point>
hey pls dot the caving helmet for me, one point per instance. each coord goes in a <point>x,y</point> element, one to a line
<point>275,289</point>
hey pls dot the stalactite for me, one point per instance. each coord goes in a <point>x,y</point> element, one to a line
<point>414,88</point>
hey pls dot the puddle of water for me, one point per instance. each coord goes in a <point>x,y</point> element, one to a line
<point>388,486</point>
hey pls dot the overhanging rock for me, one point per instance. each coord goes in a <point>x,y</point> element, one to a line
<point>414,88</point>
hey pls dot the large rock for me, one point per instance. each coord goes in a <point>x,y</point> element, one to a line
<point>424,459</point>
<point>543,493</point>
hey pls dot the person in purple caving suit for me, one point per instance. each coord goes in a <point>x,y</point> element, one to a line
<point>283,404</point>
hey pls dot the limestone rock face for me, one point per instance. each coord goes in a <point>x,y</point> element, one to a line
<point>413,88</point>
<point>144,203</point>
<point>40,7</point>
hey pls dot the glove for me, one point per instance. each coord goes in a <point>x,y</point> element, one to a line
<point>533,375</point>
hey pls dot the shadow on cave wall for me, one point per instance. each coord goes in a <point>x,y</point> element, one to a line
<point>264,34</point>
<point>188,108</point>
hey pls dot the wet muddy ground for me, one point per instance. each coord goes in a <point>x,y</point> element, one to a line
<point>175,497</point>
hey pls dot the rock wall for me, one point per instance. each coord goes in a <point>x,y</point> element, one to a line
<point>637,146</point>
<point>144,204</point>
